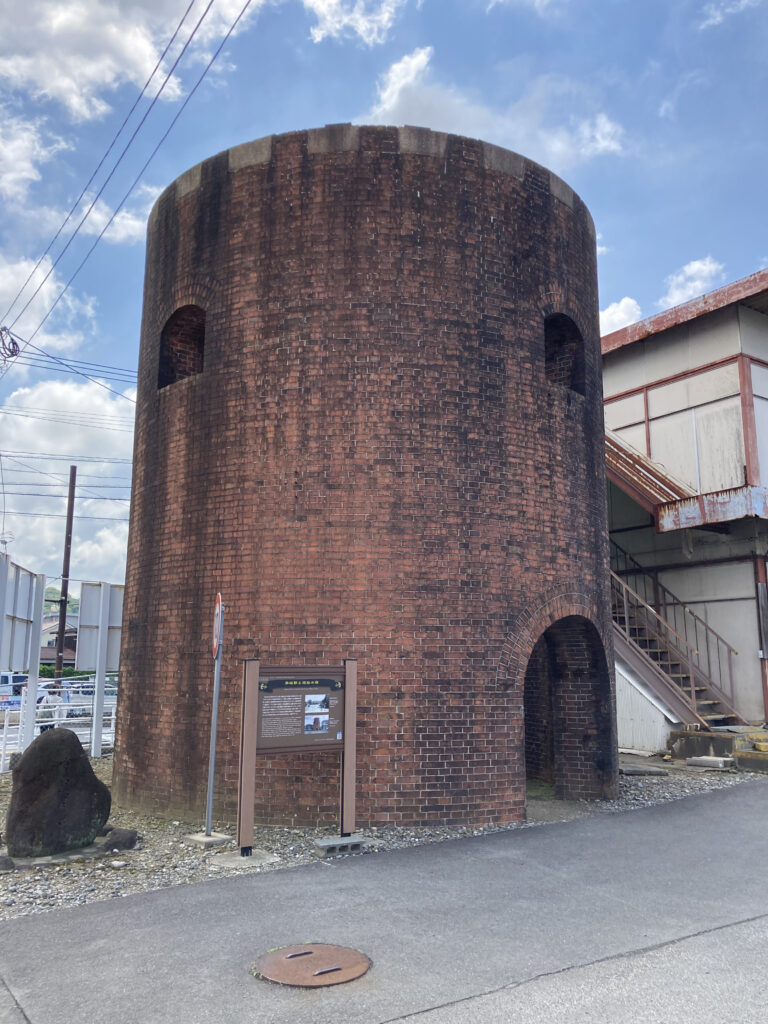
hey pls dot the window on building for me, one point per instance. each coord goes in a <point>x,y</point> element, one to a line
<point>563,353</point>
<point>182,343</point>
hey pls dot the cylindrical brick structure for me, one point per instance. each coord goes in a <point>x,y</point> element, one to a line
<point>369,414</point>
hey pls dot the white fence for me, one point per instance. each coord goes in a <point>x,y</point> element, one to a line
<point>76,712</point>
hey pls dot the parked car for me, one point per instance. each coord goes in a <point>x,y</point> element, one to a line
<point>15,680</point>
<point>11,685</point>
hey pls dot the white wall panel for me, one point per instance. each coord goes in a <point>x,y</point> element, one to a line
<point>623,370</point>
<point>707,339</point>
<point>754,332</point>
<point>761,425</point>
<point>88,629</point>
<point>760,380</point>
<point>641,723</point>
<point>672,446</point>
<point>722,382</point>
<point>634,436</point>
<point>625,412</point>
<point>720,442</point>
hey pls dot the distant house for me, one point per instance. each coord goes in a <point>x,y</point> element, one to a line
<point>686,407</point>
<point>49,635</point>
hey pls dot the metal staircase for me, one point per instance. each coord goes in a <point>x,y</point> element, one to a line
<point>684,660</point>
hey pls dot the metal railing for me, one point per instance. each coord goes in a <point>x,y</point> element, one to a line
<point>712,656</point>
<point>75,714</point>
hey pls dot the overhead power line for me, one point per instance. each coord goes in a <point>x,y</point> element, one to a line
<point>73,413</point>
<point>180,111</point>
<point>80,476</point>
<point>91,487</point>
<point>63,515</point>
<point>72,420</point>
<point>42,494</point>
<point>114,373</point>
<point>101,190</point>
<point>56,456</point>
<point>100,164</point>
<point>150,159</point>
<point>23,345</point>
<point>56,477</point>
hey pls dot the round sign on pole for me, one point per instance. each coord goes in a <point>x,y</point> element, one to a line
<point>217,625</point>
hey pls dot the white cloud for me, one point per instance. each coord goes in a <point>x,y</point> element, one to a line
<point>619,314</point>
<point>400,78</point>
<point>690,80</point>
<point>692,280</point>
<point>76,53</point>
<point>72,319</point>
<point>533,125</point>
<point>23,147</point>
<point>716,13</point>
<point>597,135</point>
<point>540,6</point>
<point>370,21</point>
<point>101,556</point>
<point>98,550</point>
<point>129,225</point>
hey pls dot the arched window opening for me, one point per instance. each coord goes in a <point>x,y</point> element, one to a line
<point>182,343</point>
<point>564,353</point>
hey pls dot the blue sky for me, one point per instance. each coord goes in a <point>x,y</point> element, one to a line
<point>654,112</point>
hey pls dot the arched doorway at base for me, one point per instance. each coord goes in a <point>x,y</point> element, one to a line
<point>568,713</point>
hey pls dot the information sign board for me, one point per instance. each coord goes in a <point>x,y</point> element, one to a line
<point>296,710</point>
<point>300,709</point>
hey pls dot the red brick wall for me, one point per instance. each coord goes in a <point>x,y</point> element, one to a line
<point>372,465</point>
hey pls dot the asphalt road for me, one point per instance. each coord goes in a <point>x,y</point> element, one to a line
<point>655,915</point>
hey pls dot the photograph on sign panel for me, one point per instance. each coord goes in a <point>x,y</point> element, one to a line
<point>316,703</point>
<point>316,723</point>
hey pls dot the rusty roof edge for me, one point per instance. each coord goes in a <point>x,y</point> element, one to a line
<point>737,291</point>
<point>715,507</point>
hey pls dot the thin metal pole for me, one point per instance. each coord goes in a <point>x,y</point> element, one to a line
<point>65,574</point>
<point>214,726</point>
<point>349,753</point>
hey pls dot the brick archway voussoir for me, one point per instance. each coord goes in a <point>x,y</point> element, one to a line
<point>558,603</point>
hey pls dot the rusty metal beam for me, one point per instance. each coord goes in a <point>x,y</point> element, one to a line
<point>717,507</point>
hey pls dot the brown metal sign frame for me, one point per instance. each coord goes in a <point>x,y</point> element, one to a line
<point>255,676</point>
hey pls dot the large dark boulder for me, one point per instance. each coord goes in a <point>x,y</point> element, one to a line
<point>57,803</point>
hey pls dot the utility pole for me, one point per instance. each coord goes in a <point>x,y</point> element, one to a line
<point>65,574</point>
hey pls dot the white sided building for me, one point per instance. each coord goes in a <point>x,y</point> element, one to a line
<point>686,409</point>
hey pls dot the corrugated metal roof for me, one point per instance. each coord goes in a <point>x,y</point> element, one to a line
<point>750,291</point>
<point>645,481</point>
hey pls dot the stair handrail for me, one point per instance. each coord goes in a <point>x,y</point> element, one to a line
<point>633,567</point>
<point>675,600</point>
<point>666,628</point>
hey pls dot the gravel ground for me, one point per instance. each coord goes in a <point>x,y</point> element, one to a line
<point>164,857</point>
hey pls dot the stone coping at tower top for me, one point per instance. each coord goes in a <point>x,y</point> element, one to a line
<point>344,138</point>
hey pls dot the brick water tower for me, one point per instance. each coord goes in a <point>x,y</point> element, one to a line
<point>369,414</point>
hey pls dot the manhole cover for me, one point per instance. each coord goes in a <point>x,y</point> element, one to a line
<point>311,965</point>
